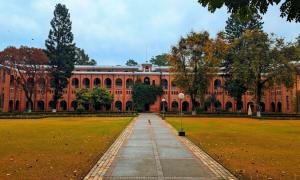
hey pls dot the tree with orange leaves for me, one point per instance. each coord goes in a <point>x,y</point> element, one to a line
<point>29,67</point>
<point>195,60</point>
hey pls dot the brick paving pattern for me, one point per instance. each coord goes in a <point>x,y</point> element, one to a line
<point>98,171</point>
<point>149,148</point>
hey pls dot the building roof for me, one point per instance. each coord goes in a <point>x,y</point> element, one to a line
<point>121,73</point>
<point>119,67</point>
<point>105,67</point>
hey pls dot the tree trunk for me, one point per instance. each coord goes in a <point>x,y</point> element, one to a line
<point>258,99</point>
<point>29,106</point>
<point>29,100</point>
<point>193,106</point>
<point>202,103</point>
<point>56,97</point>
<point>238,103</point>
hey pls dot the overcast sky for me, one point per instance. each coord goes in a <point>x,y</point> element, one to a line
<point>113,31</point>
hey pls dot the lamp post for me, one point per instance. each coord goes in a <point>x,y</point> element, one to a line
<point>163,105</point>
<point>181,132</point>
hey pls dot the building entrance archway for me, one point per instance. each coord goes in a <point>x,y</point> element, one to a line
<point>147,107</point>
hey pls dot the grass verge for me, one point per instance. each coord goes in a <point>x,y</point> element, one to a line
<point>250,149</point>
<point>55,148</point>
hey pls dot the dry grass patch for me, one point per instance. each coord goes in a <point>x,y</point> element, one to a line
<point>55,148</point>
<point>251,149</point>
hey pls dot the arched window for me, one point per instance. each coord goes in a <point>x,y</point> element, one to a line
<point>217,84</point>
<point>185,106</point>
<point>147,81</point>
<point>97,82</point>
<point>129,84</point>
<point>86,83</point>
<point>273,108</point>
<point>74,105</point>
<point>64,82</point>
<point>63,105</point>
<point>279,107</point>
<point>118,106</point>
<point>174,106</point>
<point>75,83</point>
<point>164,83</point>
<point>228,106</point>
<point>41,105</point>
<point>108,83</point>
<point>129,106</point>
<point>164,106</point>
<point>119,83</point>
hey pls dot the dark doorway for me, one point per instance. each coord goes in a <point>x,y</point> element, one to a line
<point>118,106</point>
<point>174,106</point>
<point>147,81</point>
<point>41,105</point>
<point>273,109</point>
<point>108,107</point>
<point>251,105</point>
<point>185,106</point>
<point>129,106</point>
<point>147,107</point>
<point>17,105</point>
<point>27,105</point>
<point>63,106</point>
<point>279,107</point>
<point>74,105</point>
<point>11,106</point>
<point>228,106</point>
<point>262,106</point>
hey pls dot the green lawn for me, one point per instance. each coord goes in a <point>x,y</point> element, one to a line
<point>55,148</point>
<point>251,149</point>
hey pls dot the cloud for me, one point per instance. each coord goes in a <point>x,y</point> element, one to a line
<point>112,31</point>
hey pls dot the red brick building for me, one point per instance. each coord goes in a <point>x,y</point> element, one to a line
<point>119,81</point>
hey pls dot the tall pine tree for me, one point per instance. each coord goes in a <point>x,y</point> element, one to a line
<point>60,50</point>
<point>81,58</point>
<point>235,27</point>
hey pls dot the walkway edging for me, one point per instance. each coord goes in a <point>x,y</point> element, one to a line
<point>206,159</point>
<point>101,167</point>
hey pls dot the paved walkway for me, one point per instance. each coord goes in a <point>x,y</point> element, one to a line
<point>149,149</point>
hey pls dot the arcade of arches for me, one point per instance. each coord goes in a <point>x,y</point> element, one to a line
<point>119,80</point>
